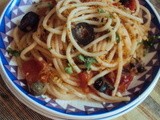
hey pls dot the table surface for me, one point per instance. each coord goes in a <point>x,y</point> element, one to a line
<point>10,106</point>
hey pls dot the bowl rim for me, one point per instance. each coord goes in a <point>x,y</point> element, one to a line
<point>40,111</point>
<point>111,114</point>
<point>57,117</point>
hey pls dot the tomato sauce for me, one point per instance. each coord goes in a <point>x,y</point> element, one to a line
<point>125,81</point>
<point>84,77</point>
<point>35,70</point>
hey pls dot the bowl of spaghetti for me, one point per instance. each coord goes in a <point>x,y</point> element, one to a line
<point>74,59</point>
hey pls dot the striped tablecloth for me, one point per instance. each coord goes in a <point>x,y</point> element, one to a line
<point>12,109</point>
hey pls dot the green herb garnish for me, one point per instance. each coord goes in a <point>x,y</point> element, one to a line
<point>148,43</point>
<point>81,58</point>
<point>154,37</point>
<point>12,52</point>
<point>88,61</point>
<point>68,69</point>
<point>117,38</point>
<point>151,41</point>
<point>50,6</point>
<point>108,15</point>
<point>50,48</point>
<point>100,10</point>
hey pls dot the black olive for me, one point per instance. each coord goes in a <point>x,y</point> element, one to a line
<point>124,1</point>
<point>110,87</point>
<point>102,85</point>
<point>133,63</point>
<point>37,88</point>
<point>83,33</point>
<point>29,22</point>
<point>98,83</point>
<point>136,64</point>
<point>140,69</point>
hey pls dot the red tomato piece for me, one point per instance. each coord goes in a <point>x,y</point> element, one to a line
<point>31,69</point>
<point>84,77</point>
<point>111,77</point>
<point>115,4</point>
<point>126,79</point>
<point>131,4</point>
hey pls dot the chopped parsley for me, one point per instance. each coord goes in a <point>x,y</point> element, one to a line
<point>68,69</point>
<point>148,43</point>
<point>81,58</point>
<point>151,41</point>
<point>50,6</point>
<point>12,52</point>
<point>50,48</point>
<point>88,61</point>
<point>100,10</point>
<point>154,37</point>
<point>108,15</point>
<point>117,38</point>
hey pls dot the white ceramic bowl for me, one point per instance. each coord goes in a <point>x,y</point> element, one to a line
<point>61,109</point>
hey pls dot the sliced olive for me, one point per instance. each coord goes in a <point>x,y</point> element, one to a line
<point>123,1</point>
<point>103,88</point>
<point>110,87</point>
<point>136,64</point>
<point>141,69</point>
<point>83,33</point>
<point>29,22</point>
<point>98,83</point>
<point>102,85</point>
<point>37,88</point>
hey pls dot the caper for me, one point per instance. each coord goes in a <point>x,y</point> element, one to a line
<point>37,88</point>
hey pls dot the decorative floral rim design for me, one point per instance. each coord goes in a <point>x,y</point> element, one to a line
<point>10,17</point>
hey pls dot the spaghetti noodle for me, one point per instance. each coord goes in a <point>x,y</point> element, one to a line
<point>67,66</point>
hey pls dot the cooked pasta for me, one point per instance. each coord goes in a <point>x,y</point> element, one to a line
<point>82,49</point>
